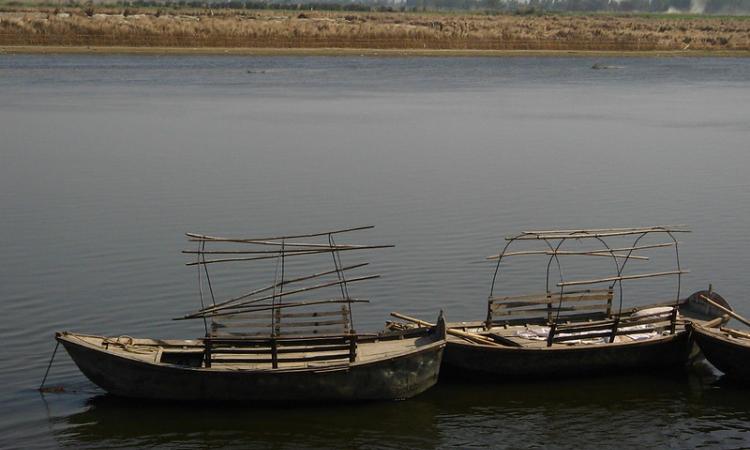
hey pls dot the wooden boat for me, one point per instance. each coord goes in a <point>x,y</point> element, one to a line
<point>726,348</point>
<point>574,330</point>
<point>261,346</point>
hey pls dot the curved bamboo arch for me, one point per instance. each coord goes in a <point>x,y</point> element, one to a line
<point>597,234</point>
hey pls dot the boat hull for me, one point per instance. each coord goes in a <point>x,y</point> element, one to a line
<point>499,363</point>
<point>730,357</point>
<point>396,377</point>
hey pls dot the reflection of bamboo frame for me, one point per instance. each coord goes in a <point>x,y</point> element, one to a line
<point>554,240</point>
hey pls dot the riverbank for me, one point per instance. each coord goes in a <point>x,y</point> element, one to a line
<point>249,51</point>
<point>254,31</point>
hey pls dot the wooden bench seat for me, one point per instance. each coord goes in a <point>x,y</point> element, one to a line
<point>275,351</point>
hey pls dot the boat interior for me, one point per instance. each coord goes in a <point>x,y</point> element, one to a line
<point>256,353</point>
<point>599,325</point>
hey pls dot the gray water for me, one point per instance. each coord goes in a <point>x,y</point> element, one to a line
<point>105,161</point>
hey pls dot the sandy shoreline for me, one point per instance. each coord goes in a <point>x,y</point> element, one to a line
<point>250,51</point>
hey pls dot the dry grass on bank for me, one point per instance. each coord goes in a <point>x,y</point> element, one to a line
<point>283,29</point>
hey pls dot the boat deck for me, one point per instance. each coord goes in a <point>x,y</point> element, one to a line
<point>533,334</point>
<point>154,351</point>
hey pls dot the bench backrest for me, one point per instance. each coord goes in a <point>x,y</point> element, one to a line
<point>544,307</point>
<point>609,328</point>
<point>289,322</point>
<point>275,351</point>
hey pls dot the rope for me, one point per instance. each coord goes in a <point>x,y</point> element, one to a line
<point>54,352</point>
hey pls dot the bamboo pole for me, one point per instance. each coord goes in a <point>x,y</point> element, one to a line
<point>288,253</point>
<point>601,230</point>
<point>714,322</point>
<point>204,237</point>
<point>722,308</point>
<point>604,252</point>
<point>268,307</point>
<point>625,277</point>
<point>469,336</point>
<point>274,252</point>
<point>281,294</point>
<point>567,253</point>
<point>285,244</point>
<point>735,333</point>
<point>294,280</point>
<point>530,237</point>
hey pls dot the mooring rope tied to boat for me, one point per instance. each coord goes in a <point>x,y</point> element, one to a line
<point>46,373</point>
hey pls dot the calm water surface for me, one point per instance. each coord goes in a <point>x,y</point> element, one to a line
<point>105,161</point>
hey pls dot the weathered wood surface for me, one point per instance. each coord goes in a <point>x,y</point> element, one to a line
<point>389,368</point>
<point>476,338</point>
<point>726,310</point>
<point>730,355</point>
<point>535,359</point>
<point>502,362</point>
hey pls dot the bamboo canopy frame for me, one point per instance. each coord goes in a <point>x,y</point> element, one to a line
<point>273,298</point>
<point>555,239</point>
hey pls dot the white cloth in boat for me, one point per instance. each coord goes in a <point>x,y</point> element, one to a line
<point>541,334</point>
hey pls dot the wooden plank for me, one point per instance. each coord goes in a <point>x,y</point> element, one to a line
<point>514,312</point>
<point>544,295</point>
<point>624,277</point>
<point>233,340</point>
<point>311,331</point>
<point>735,333</point>
<point>238,324</point>
<point>318,323</point>
<point>472,337</point>
<point>304,315</point>
<point>655,323</point>
<point>646,318</point>
<point>724,309</point>
<point>280,360</point>
<point>603,334</point>
<point>582,328</point>
<point>280,350</point>
<point>553,300</point>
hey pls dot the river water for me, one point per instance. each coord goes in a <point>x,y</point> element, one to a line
<point>105,161</point>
